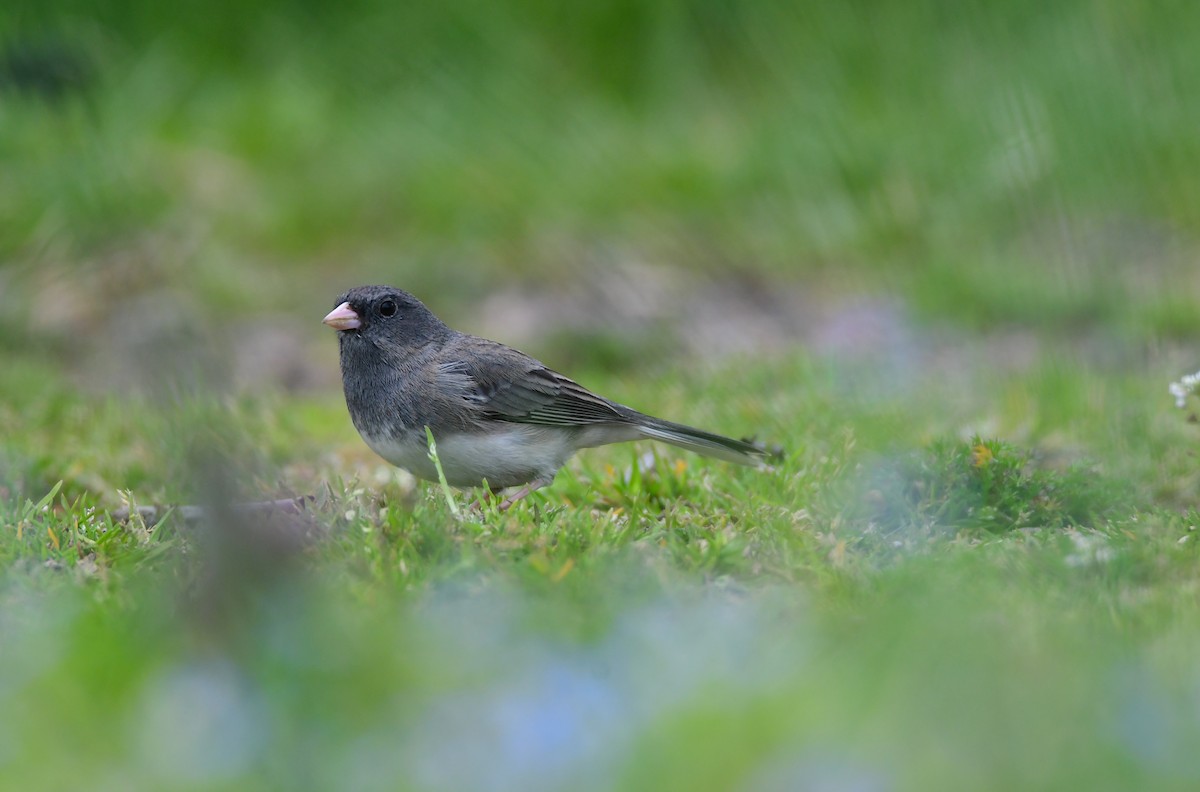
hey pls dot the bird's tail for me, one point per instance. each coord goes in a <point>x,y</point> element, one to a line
<point>741,452</point>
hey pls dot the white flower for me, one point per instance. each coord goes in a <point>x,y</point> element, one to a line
<point>1184,388</point>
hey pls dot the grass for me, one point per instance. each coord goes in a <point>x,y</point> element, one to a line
<point>882,609</point>
<point>975,566</point>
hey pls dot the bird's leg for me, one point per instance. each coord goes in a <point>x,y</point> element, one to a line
<point>537,483</point>
<point>493,492</point>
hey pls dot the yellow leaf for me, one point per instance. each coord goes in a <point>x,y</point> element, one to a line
<point>563,570</point>
<point>981,455</point>
<point>837,556</point>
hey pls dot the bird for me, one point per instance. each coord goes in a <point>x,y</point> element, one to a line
<point>499,418</point>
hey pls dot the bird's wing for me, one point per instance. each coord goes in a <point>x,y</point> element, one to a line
<point>507,385</point>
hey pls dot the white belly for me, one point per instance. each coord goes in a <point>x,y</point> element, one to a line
<point>506,456</point>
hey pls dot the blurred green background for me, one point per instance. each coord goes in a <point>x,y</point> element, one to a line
<point>992,163</point>
<point>873,232</point>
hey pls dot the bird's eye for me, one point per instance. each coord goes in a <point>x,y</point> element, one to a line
<point>387,308</point>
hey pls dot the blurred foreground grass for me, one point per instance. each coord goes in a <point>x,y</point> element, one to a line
<point>905,603</point>
<point>878,613</point>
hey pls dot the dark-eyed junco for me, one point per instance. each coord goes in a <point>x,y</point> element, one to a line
<point>497,415</point>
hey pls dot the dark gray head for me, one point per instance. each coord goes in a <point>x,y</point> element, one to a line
<point>385,318</point>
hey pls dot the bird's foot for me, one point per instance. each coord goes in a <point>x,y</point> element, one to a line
<point>484,500</point>
<point>506,504</point>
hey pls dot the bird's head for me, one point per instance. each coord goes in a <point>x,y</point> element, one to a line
<point>385,317</point>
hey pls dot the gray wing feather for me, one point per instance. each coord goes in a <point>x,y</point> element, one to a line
<point>499,383</point>
<point>508,385</point>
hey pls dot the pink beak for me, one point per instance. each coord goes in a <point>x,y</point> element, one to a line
<point>343,318</point>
